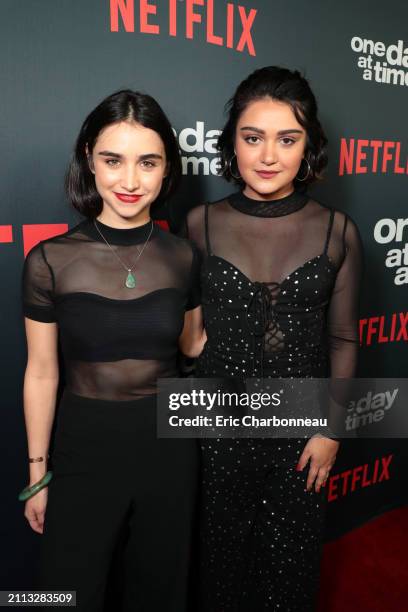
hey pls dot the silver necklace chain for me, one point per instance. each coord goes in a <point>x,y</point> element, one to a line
<point>115,253</point>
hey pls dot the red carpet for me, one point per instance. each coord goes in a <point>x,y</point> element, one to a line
<point>366,570</point>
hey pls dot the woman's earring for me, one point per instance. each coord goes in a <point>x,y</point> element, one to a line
<point>230,169</point>
<point>309,170</point>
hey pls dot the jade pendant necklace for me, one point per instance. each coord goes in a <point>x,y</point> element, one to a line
<point>130,281</point>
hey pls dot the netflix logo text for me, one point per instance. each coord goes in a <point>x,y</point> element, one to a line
<point>384,328</point>
<point>363,156</point>
<point>232,30</point>
<point>359,477</point>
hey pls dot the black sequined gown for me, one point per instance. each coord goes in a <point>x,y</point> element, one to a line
<point>280,283</point>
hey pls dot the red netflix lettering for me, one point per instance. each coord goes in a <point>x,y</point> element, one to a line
<point>397,168</point>
<point>385,474</point>
<point>173,18</point>
<point>127,12</point>
<point>375,144</point>
<point>365,482</point>
<point>211,37</point>
<point>357,478</point>
<point>361,156</point>
<point>384,328</point>
<point>147,9</point>
<point>163,223</point>
<point>346,156</point>
<point>387,155</point>
<point>403,335</point>
<point>393,325</point>
<point>33,234</point>
<point>247,22</point>
<point>124,11</point>
<point>375,471</point>
<point>6,233</point>
<point>191,16</point>
<point>332,495</point>
<point>381,337</point>
<point>362,324</point>
<point>371,328</point>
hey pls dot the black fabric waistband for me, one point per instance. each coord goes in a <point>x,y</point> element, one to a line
<point>79,400</point>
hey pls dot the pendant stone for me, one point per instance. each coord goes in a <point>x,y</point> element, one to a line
<point>130,281</point>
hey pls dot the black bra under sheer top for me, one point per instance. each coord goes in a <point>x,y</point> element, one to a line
<point>116,341</point>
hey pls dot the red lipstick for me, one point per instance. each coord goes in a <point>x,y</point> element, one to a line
<point>128,199</point>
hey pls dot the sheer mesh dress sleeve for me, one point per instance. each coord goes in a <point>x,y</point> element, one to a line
<point>343,313</point>
<point>38,287</point>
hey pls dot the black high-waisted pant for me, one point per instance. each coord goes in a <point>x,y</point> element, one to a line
<point>116,482</point>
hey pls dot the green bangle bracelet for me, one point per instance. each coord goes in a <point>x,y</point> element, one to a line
<point>31,491</point>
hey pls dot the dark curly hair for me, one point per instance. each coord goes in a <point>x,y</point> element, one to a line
<point>286,86</point>
<point>124,105</point>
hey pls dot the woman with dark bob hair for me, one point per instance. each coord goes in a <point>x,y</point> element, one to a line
<point>120,294</point>
<point>281,276</point>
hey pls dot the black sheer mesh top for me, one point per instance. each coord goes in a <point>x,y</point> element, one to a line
<point>280,286</point>
<point>116,340</point>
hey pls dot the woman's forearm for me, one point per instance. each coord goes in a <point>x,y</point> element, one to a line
<point>40,392</point>
<point>193,337</point>
<point>191,345</point>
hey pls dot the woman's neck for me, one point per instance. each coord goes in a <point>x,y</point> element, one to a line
<point>117,222</point>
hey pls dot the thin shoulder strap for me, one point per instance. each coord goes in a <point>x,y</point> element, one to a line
<point>207,231</point>
<point>329,230</point>
<point>343,238</point>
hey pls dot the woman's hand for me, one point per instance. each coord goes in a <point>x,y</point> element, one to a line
<point>322,454</point>
<point>35,510</point>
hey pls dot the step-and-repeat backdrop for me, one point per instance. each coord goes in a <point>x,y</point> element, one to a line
<point>59,59</point>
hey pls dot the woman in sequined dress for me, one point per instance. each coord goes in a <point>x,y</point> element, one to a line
<point>280,280</point>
